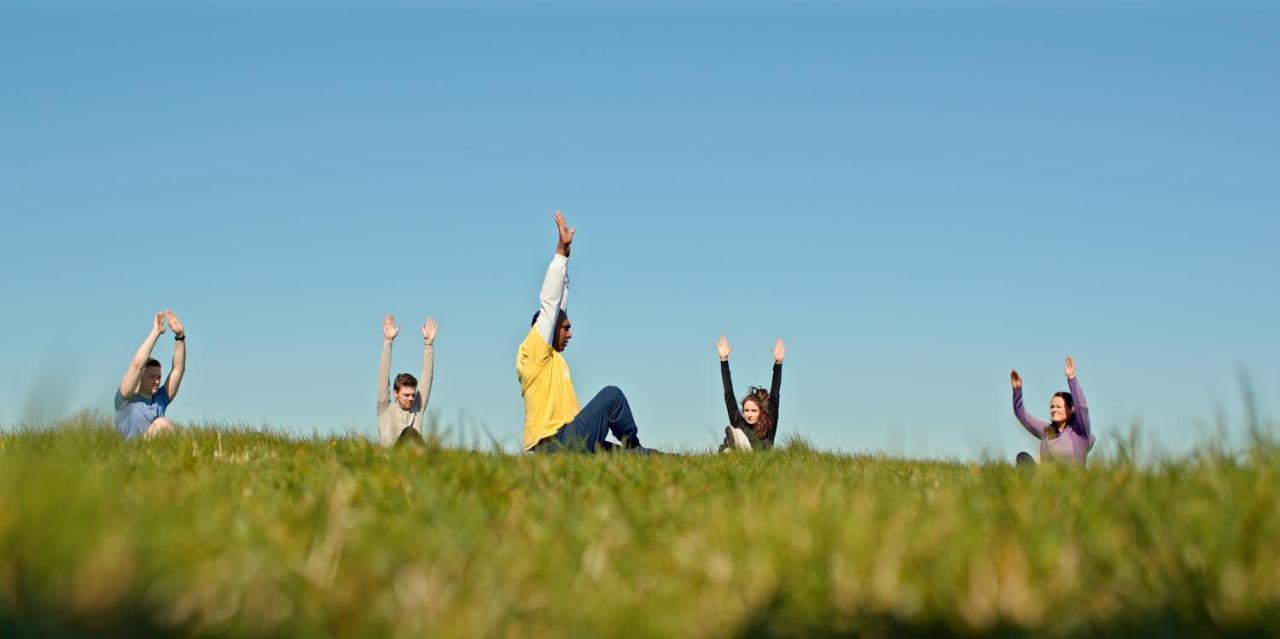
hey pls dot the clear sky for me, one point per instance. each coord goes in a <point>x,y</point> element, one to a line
<point>916,196</point>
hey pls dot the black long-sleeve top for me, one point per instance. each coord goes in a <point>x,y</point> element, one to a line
<point>735,416</point>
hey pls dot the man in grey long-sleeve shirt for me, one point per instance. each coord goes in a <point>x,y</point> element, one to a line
<point>402,407</point>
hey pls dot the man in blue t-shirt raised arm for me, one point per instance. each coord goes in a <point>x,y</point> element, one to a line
<point>141,400</point>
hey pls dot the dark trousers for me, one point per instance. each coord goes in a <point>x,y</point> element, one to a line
<point>1025,459</point>
<point>607,412</point>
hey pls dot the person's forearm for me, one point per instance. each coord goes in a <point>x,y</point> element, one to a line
<point>1033,425</point>
<point>1077,393</point>
<point>129,382</point>
<point>775,399</point>
<point>730,402</point>
<point>384,373</point>
<point>179,355</point>
<point>552,295</point>
<point>428,373</point>
<point>179,368</point>
<point>144,351</point>
<point>1081,406</point>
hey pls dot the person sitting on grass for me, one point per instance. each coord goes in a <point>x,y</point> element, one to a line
<point>400,421</point>
<point>1067,436</point>
<point>141,400</point>
<point>552,419</point>
<point>756,425</point>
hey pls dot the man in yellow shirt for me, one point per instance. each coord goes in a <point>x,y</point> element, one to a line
<point>553,421</point>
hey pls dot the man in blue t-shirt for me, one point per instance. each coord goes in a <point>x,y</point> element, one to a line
<point>141,400</point>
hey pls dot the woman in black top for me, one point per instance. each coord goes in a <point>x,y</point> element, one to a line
<point>756,425</point>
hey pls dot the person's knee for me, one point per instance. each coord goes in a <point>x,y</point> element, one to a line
<point>159,426</point>
<point>410,437</point>
<point>613,394</point>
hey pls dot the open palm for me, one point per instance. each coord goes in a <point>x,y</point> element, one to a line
<point>429,330</point>
<point>389,327</point>
<point>175,324</point>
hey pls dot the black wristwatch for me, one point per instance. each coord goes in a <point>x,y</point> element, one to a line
<point>180,338</point>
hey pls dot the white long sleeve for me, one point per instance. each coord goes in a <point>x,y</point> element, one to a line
<point>554,296</point>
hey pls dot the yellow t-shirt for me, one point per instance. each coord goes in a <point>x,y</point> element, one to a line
<point>549,400</point>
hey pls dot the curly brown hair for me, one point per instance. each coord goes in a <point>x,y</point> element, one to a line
<point>763,425</point>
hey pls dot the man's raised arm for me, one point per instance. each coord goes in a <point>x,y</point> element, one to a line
<point>179,355</point>
<point>129,383</point>
<point>555,286</point>
<point>428,365</point>
<point>389,331</point>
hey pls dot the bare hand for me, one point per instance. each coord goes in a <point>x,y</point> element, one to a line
<point>175,324</point>
<point>389,327</point>
<point>722,346</point>
<point>429,330</point>
<point>1015,380</point>
<point>566,234</point>
<point>779,352</point>
<point>158,327</point>
<point>1070,368</point>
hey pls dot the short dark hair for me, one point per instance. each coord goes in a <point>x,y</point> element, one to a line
<point>152,362</point>
<point>405,379</point>
<point>561,318</point>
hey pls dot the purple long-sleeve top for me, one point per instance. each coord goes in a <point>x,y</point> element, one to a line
<point>1075,441</point>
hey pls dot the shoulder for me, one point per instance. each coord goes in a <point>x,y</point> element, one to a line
<point>534,345</point>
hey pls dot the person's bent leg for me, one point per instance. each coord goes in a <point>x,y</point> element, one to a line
<point>409,437</point>
<point>1025,459</point>
<point>607,412</point>
<point>617,415</point>
<point>159,426</point>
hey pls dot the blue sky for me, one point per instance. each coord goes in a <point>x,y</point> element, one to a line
<point>916,196</point>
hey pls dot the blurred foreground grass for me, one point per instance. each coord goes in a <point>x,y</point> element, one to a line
<point>249,534</point>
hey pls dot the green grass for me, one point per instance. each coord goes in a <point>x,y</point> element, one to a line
<point>243,533</point>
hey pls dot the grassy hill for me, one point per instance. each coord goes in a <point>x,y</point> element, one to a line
<point>250,534</point>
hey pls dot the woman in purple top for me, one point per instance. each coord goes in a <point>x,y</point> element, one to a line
<point>1067,435</point>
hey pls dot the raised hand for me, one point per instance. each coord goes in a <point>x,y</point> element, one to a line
<point>722,346</point>
<point>1015,380</point>
<point>158,327</point>
<point>779,351</point>
<point>566,234</point>
<point>389,327</point>
<point>1070,368</point>
<point>429,330</point>
<point>175,324</point>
